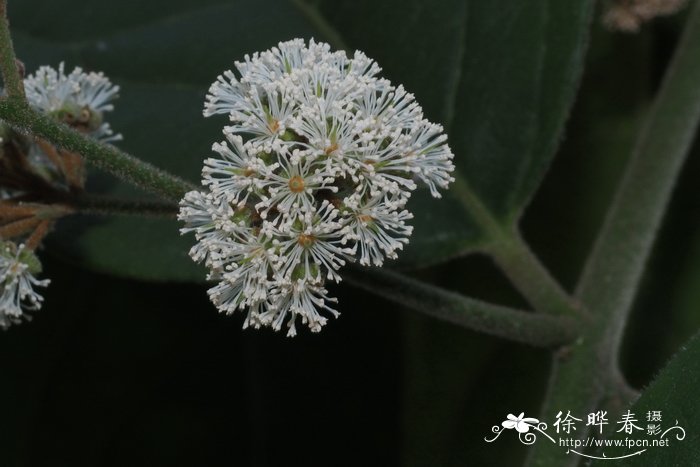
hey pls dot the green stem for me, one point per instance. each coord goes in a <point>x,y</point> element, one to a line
<point>106,205</point>
<point>531,278</point>
<point>515,258</point>
<point>613,272</point>
<point>8,62</point>
<point>103,156</point>
<point>521,326</point>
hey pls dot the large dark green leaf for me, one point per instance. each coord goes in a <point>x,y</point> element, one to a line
<point>501,76</point>
<point>675,394</point>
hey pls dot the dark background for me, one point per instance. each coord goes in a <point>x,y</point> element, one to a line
<point>114,372</point>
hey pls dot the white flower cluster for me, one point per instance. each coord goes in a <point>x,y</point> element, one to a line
<point>78,99</point>
<point>319,161</point>
<point>17,268</point>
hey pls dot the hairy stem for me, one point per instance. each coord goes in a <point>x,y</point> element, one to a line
<point>515,258</point>
<point>521,326</point>
<point>106,205</point>
<point>34,240</point>
<point>614,269</point>
<point>17,228</point>
<point>103,156</point>
<point>8,62</point>
<point>530,277</point>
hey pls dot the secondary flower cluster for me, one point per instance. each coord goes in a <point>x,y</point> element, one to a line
<point>18,266</point>
<point>29,166</point>
<point>316,168</point>
<point>78,99</point>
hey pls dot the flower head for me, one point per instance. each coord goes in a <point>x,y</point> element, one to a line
<point>319,161</point>
<point>18,266</point>
<point>78,99</point>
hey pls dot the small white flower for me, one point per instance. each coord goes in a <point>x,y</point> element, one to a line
<point>79,99</point>
<point>199,210</point>
<point>320,158</point>
<point>265,115</point>
<point>236,174</point>
<point>17,268</point>
<point>292,184</point>
<point>313,248</point>
<point>298,298</point>
<point>377,226</point>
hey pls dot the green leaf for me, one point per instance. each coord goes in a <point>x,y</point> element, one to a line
<point>674,393</point>
<point>500,76</point>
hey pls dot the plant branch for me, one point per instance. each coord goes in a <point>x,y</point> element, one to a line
<point>531,278</point>
<point>103,156</point>
<point>11,75</point>
<point>613,272</point>
<point>521,326</point>
<point>106,205</point>
<point>515,258</point>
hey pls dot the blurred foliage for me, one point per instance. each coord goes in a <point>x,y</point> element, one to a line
<point>116,372</point>
<point>165,58</point>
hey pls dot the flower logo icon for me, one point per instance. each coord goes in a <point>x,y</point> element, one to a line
<point>521,423</point>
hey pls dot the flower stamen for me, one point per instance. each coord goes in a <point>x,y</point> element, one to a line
<point>296,184</point>
<point>306,240</point>
<point>331,149</point>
